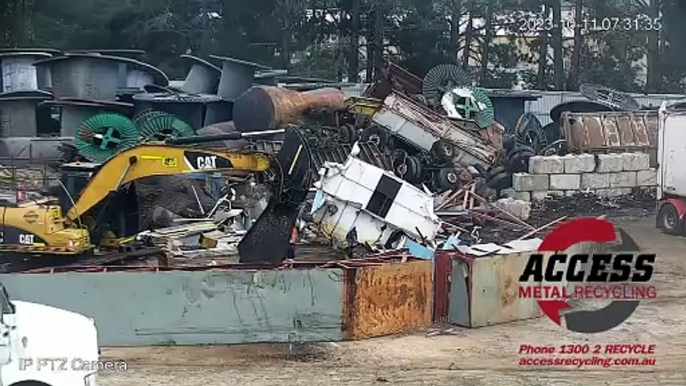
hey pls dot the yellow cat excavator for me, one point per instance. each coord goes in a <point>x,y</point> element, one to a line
<point>97,204</point>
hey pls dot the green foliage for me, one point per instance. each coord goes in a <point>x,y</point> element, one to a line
<point>281,33</point>
<point>421,39</point>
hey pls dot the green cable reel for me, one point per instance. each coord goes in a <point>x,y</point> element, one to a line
<point>158,125</point>
<point>480,109</point>
<point>104,135</point>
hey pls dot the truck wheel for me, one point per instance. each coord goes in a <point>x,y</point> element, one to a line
<point>519,163</point>
<point>668,220</point>
<point>443,150</point>
<point>347,134</point>
<point>447,178</point>
<point>414,170</point>
<point>376,135</point>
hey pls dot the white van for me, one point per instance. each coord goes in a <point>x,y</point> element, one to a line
<point>45,346</point>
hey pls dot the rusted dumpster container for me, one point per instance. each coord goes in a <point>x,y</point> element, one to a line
<point>607,131</point>
<point>473,291</point>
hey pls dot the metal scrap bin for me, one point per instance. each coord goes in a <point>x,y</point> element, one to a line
<point>387,299</point>
<point>238,304</point>
<point>481,291</point>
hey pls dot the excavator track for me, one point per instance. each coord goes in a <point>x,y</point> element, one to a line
<point>15,262</point>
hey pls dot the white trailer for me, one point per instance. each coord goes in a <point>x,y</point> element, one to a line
<point>671,176</point>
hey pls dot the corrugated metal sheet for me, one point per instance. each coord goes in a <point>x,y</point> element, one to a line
<point>549,99</point>
<point>190,308</point>
<point>388,299</point>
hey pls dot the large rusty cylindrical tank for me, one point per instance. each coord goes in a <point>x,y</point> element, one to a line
<point>267,107</point>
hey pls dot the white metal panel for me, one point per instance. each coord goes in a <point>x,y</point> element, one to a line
<point>672,153</point>
<point>347,190</point>
<point>371,175</point>
<point>411,209</point>
<point>355,171</point>
<point>405,129</point>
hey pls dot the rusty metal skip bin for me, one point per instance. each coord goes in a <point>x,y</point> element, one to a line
<point>616,130</point>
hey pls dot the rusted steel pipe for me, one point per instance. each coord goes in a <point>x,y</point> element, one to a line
<point>267,107</point>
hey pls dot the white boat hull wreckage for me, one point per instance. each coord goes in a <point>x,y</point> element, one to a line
<point>360,204</point>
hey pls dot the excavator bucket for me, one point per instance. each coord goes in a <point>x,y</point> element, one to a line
<point>268,239</point>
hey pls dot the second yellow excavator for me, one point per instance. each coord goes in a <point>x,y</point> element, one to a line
<point>97,204</point>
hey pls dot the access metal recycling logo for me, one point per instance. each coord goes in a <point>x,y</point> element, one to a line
<point>621,275</point>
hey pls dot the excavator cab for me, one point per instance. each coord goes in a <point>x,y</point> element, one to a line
<point>74,178</point>
<point>116,215</point>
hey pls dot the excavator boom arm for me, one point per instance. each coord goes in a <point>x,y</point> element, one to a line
<point>160,160</point>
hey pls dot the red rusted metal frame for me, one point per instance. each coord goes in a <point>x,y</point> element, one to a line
<point>479,214</point>
<point>345,264</point>
<point>395,78</point>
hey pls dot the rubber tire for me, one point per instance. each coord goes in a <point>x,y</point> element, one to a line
<point>519,163</point>
<point>443,150</point>
<point>398,154</point>
<point>501,181</point>
<point>518,149</point>
<point>442,179</point>
<point>494,172</point>
<point>509,142</point>
<point>347,134</point>
<point>375,134</point>
<point>521,150</point>
<point>414,170</point>
<point>667,211</point>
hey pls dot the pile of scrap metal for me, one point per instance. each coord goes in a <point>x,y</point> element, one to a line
<point>213,236</point>
<point>439,131</point>
<point>366,210</point>
<point>608,120</point>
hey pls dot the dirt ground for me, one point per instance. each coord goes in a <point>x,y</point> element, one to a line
<point>486,356</point>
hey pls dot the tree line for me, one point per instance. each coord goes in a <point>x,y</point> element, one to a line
<point>632,45</point>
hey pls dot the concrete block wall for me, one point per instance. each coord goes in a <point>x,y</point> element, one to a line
<point>607,175</point>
